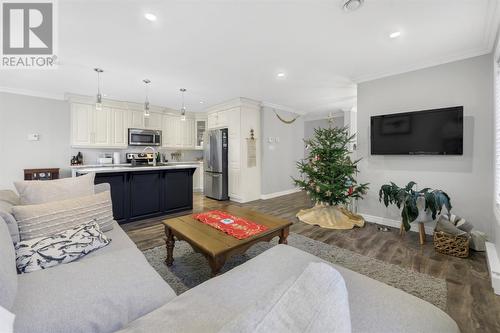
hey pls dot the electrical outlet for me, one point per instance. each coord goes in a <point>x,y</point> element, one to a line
<point>277,139</point>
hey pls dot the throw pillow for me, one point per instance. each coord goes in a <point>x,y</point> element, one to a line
<point>61,248</point>
<point>40,191</point>
<point>53,217</point>
<point>444,225</point>
<point>315,301</point>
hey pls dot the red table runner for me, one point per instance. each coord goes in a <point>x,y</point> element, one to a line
<point>232,225</point>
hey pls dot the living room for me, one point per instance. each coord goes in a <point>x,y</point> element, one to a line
<point>250,166</point>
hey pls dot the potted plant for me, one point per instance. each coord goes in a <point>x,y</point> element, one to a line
<point>406,197</point>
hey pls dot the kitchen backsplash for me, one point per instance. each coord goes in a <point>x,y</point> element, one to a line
<point>90,156</point>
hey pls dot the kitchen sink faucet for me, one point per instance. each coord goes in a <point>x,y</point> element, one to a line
<point>154,154</point>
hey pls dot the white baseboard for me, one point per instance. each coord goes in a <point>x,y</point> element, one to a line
<point>279,194</point>
<point>493,266</point>
<point>429,230</point>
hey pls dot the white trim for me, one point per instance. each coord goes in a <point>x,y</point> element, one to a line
<point>233,103</point>
<point>279,194</point>
<point>423,65</point>
<point>493,266</point>
<point>33,93</point>
<point>429,230</point>
<point>282,108</point>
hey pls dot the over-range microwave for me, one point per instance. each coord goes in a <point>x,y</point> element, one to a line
<point>144,137</point>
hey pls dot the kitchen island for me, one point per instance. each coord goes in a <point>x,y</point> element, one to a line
<point>142,192</point>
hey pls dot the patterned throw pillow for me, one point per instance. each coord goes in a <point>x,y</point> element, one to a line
<point>61,248</point>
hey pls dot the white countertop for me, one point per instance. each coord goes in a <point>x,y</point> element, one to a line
<point>128,167</point>
<point>86,166</point>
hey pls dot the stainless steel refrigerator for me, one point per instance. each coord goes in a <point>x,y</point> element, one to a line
<point>215,179</point>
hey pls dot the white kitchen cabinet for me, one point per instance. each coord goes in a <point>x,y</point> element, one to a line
<point>102,127</point>
<point>137,119</point>
<point>119,127</point>
<point>90,127</point>
<point>212,120</point>
<point>218,119</point>
<point>81,124</point>
<point>200,127</point>
<point>171,131</point>
<point>187,133</point>
<point>154,121</point>
<point>177,133</point>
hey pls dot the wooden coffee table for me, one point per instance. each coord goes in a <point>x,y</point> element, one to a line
<point>216,245</point>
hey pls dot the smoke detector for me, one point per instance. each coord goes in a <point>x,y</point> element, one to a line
<point>352,5</point>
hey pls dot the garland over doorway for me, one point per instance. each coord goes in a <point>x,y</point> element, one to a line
<point>284,120</point>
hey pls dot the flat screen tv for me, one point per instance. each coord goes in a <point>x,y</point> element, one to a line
<point>429,132</point>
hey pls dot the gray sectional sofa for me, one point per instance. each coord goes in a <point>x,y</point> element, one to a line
<point>115,289</point>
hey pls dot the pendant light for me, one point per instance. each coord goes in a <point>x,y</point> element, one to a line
<point>98,103</point>
<point>183,109</point>
<point>146,102</point>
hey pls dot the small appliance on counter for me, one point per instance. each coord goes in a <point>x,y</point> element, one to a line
<point>215,164</point>
<point>105,159</point>
<point>138,159</point>
<point>116,158</point>
<point>144,137</point>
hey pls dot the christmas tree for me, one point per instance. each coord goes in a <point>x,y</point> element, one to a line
<point>328,173</point>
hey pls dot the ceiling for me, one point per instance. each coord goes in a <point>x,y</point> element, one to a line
<point>223,49</point>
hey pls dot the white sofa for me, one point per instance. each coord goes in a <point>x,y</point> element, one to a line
<point>115,289</point>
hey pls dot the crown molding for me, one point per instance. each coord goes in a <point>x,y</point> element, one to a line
<point>32,93</point>
<point>423,65</point>
<point>234,103</point>
<point>282,108</point>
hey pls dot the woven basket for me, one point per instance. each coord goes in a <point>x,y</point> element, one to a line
<point>457,246</point>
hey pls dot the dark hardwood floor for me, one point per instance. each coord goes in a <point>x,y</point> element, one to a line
<point>471,301</point>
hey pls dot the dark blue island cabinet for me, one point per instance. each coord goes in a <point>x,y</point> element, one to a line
<point>139,194</point>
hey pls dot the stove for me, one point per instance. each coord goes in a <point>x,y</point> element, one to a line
<point>139,158</point>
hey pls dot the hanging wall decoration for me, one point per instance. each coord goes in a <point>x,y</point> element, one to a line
<point>284,120</point>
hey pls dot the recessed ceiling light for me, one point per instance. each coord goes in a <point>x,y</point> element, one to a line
<point>150,17</point>
<point>395,34</point>
<point>201,102</point>
<point>280,75</point>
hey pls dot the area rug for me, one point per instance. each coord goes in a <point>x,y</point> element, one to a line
<point>191,269</point>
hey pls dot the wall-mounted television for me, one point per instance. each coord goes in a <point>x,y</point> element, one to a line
<point>429,132</point>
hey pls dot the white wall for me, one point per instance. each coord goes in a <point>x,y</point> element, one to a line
<point>279,159</point>
<point>468,179</point>
<point>21,115</point>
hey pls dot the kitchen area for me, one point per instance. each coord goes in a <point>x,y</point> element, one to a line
<point>154,161</point>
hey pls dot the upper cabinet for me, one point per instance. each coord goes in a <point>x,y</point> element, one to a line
<point>119,127</point>
<point>81,124</point>
<point>200,127</point>
<point>178,133</point>
<point>154,121</point>
<point>108,128</point>
<point>218,119</point>
<point>136,119</point>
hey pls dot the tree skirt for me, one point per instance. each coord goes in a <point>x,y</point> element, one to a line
<point>330,217</point>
